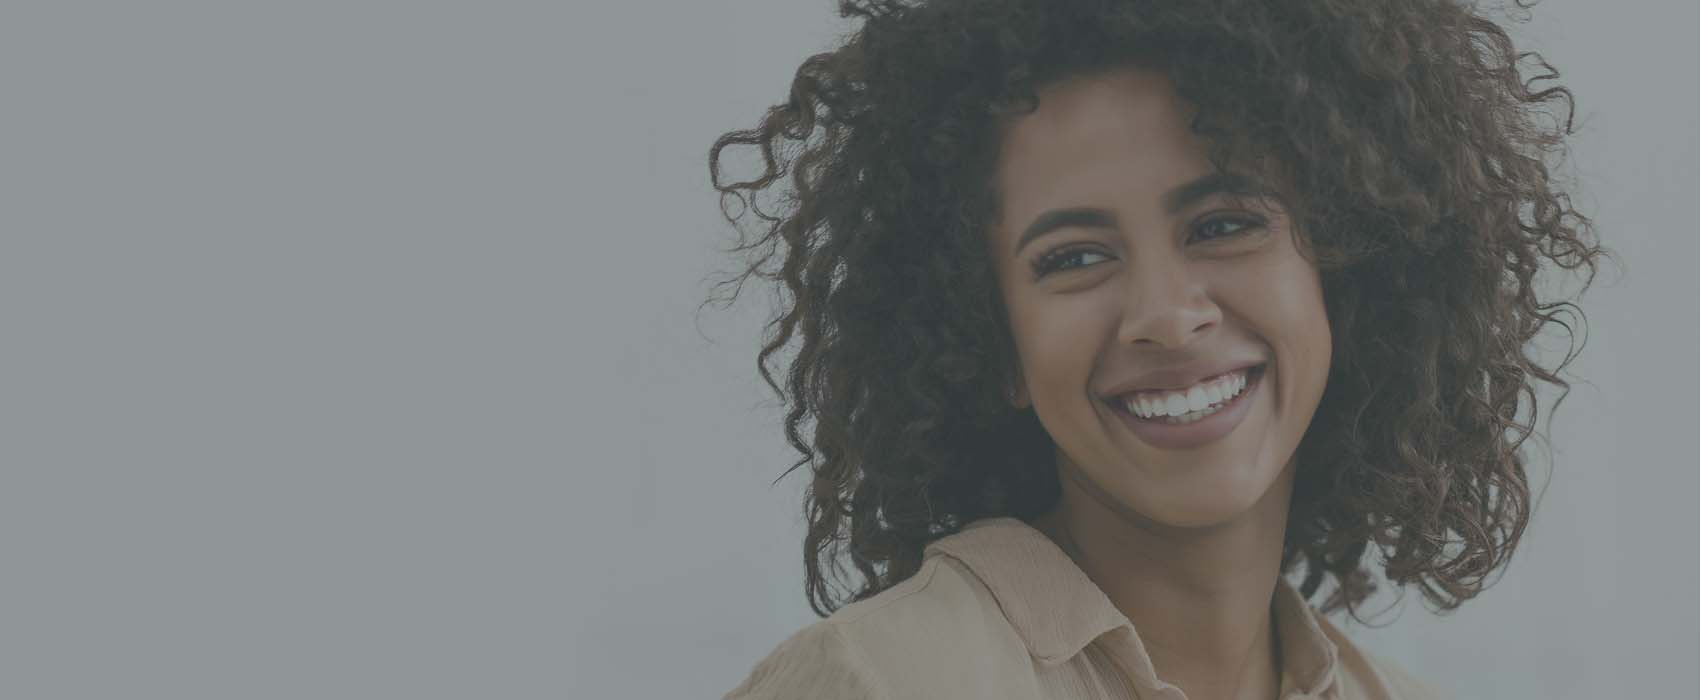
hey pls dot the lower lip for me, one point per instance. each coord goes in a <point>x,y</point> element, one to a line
<point>1200,432</point>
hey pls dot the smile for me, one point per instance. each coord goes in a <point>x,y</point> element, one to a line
<point>1203,413</point>
<point>1197,401</point>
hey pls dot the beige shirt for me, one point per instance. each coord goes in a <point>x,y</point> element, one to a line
<point>999,611</point>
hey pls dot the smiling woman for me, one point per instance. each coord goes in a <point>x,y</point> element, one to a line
<point>1163,299</point>
<point>1115,314</point>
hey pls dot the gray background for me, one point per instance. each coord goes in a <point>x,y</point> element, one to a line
<point>351,351</point>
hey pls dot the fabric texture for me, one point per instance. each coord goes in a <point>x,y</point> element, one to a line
<point>999,611</point>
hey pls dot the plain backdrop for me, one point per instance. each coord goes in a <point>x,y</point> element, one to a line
<point>353,350</point>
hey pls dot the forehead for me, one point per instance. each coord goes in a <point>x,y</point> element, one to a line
<point>1118,136</point>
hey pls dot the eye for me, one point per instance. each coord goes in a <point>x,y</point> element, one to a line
<point>1246,225</point>
<point>1062,259</point>
<point>1056,260</point>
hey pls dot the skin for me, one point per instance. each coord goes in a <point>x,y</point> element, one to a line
<point>1186,543</point>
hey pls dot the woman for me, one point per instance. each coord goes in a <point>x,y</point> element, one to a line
<point>1114,314</point>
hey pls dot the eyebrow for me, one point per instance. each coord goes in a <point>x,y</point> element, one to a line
<point>1177,199</point>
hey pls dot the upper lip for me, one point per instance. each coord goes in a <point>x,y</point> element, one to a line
<point>1177,377</point>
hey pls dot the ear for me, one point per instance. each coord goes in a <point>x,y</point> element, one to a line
<point>1016,391</point>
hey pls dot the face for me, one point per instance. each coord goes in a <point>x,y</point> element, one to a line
<point>1112,269</point>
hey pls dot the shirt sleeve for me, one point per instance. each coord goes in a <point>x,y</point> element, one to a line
<point>1404,685</point>
<point>816,662</point>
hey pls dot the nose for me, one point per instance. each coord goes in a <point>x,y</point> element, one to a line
<point>1167,306</point>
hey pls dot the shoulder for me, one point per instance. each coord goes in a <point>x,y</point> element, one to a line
<point>815,662</point>
<point>1401,684</point>
<point>923,632</point>
<point>1367,674</point>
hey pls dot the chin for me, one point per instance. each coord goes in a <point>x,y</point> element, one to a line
<point>1198,515</point>
<point>1207,502</point>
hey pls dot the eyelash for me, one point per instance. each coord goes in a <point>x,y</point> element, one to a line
<point>1047,263</point>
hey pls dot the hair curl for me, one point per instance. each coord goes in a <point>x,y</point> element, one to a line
<point>1415,170</point>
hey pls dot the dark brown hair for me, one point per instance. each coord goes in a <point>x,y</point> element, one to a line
<point>1415,160</point>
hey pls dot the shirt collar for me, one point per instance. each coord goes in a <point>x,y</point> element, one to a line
<point>1057,610</point>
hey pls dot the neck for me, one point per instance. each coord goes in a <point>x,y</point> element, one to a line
<point>1200,599</point>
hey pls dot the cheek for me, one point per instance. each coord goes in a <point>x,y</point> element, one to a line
<point>1058,341</point>
<point>1279,294</point>
<point>1280,300</point>
<point>1294,298</point>
<point>1286,308</point>
<point>1302,303</point>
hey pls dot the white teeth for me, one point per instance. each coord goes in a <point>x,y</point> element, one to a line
<point>1194,399</point>
<point>1176,405</point>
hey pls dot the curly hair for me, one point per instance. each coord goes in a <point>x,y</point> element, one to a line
<point>1415,170</point>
